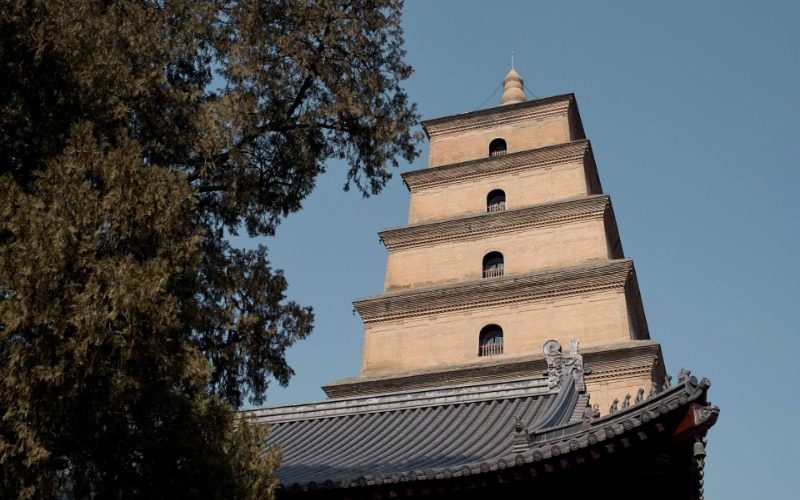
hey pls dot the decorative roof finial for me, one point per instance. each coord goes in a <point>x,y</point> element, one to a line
<point>512,87</point>
<point>560,365</point>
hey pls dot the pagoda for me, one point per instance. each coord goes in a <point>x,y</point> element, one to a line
<point>509,350</point>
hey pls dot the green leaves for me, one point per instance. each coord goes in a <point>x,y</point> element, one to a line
<point>91,319</point>
<point>133,137</point>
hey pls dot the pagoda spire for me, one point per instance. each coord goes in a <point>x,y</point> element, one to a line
<point>512,87</point>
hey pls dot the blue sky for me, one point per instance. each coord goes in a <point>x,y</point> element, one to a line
<point>691,107</point>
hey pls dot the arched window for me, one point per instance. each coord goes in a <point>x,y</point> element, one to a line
<point>492,264</point>
<point>496,201</point>
<point>497,147</point>
<point>490,341</point>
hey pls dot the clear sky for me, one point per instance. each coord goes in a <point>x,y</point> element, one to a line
<point>691,107</point>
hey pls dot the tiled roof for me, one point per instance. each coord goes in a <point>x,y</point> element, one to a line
<point>399,442</point>
<point>451,436</point>
<point>420,434</point>
<point>433,433</point>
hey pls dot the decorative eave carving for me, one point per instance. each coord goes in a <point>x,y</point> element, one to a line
<point>498,117</point>
<point>475,169</point>
<point>541,285</point>
<point>705,416</point>
<point>561,367</point>
<point>496,222</point>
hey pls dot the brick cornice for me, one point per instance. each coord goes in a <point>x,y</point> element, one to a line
<point>485,167</point>
<point>629,358</point>
<point>487,292</point>
<point>496,222</point>
<point>499,116</point>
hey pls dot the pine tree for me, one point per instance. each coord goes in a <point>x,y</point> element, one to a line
<point>135,136</point>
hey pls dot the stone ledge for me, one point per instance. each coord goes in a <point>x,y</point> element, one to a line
<point>496,222</point>
<point>498,116</point>
<point>607,275</point>
<point>514,162</point>
<point>632,355</point>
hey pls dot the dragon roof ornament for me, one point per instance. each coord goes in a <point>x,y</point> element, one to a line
<point>561,366</point>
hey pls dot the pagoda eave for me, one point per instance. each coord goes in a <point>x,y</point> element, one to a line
<point>475,226</point>
<point>493,117</point>
<point>570,152</point>
<point>542,285</point>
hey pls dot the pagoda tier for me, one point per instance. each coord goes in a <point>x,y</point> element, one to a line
<point>528,178</point>
<point>523,126</point>
<point>423,329</point>
<point>531,238</point>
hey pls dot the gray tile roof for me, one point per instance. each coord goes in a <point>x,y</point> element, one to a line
<point>481,434</point>
<point>413,433</point>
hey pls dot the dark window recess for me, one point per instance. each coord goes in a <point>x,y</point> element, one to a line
<point>492,265</point>
<point>497,147</point>
<point>490,341</point>
<point>496,201</point>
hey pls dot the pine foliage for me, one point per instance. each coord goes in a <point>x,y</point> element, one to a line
<point>135,137</point>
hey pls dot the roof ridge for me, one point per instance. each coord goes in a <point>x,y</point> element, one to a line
<point>455,394</point>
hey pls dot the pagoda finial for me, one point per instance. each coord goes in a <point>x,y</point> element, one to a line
<point>512,86</point>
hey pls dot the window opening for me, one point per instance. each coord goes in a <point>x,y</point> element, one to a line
<point>496,201</point>
<point>497,147</point>
<point>492,265</point>
<point>490,341</point>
